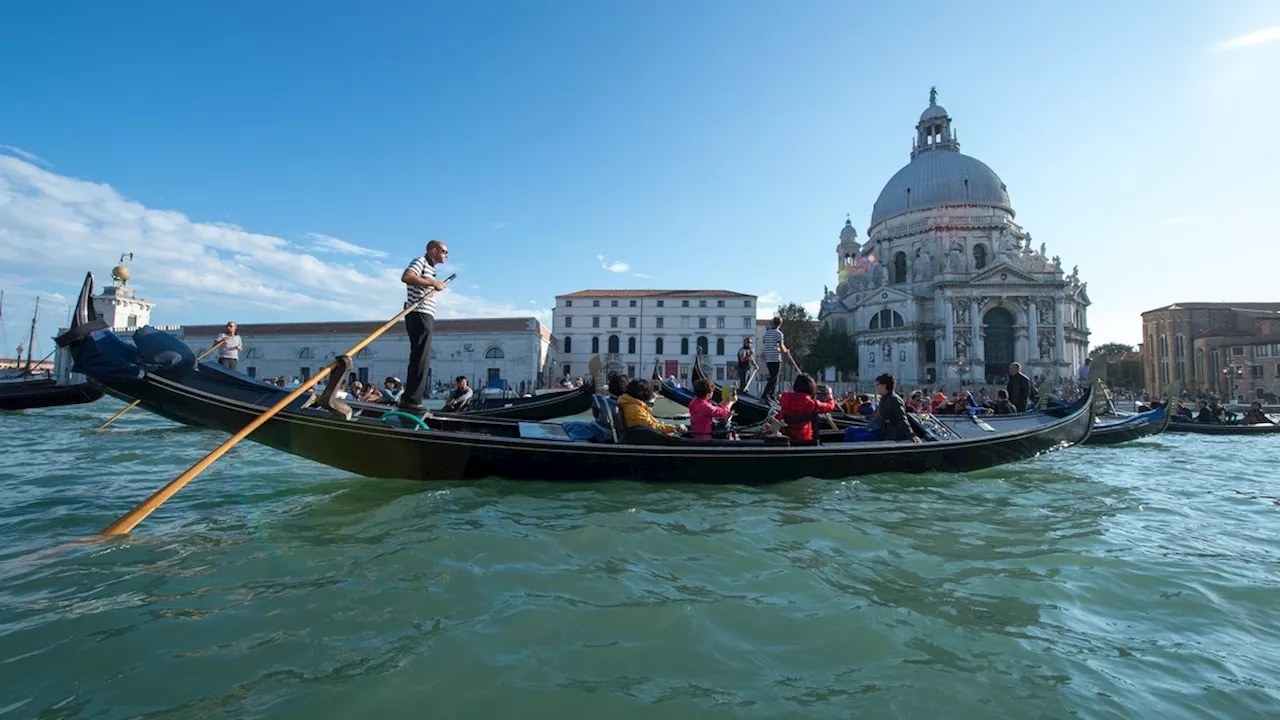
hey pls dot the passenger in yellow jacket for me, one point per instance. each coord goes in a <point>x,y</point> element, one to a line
<point>634,405</point>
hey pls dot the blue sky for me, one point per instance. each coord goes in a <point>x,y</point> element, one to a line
<point>286,162</point>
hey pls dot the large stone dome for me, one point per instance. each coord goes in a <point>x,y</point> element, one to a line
<point>933,179</point>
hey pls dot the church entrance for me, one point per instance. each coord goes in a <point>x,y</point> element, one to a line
<point>998,345</point>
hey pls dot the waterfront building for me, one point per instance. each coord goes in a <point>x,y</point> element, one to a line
<point>515,354</point>
<point>948,289</point>
<point>1228,350</point>
<point>631,329</point>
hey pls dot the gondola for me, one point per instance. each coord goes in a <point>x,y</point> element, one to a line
<point>548,406</point>
<point>457,448</point>
<point>33,393</point>
<point>1224,428</point>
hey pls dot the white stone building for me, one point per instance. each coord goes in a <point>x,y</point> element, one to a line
<point>948,290</point>
<point>630,329</point>
<point>517,354</point>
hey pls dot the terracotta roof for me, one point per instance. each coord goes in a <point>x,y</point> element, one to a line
<point>654,293</point>
<point>365,327</point>
<point>1256,306</point>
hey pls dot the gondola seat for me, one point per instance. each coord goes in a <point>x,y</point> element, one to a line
<point>605,411</point>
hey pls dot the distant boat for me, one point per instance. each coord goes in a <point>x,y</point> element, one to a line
<point>26,391</point>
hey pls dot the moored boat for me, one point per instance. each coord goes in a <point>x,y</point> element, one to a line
<point>1224,428</point>
<point>33,393</point>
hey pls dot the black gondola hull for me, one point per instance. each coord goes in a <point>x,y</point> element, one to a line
<point>34,394</point>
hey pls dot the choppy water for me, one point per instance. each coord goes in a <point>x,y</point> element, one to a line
<point>1131,582</point>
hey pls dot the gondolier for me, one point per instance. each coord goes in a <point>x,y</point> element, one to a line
<point>229,345</point>
<point>746,361</point>
<point>419,278</point>
<point>773,349</point>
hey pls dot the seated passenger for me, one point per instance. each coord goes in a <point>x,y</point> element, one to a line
<point>703,413</point>
<point>1203,413</point>
<point>460,396</point>
<point>915,403</point>
<point>634,405</point>
<point>1180,413</point>
<point>865,408</point>
<point>617,385</point>
<point>1002,404</point>
<point>799,408</point>
<point>1255,416</point>
<point>890,421</point>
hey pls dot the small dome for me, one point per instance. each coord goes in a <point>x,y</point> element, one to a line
<point>940,178</point>
<point>848,232</point>
<point>933,111</point>
<point>121,273</point>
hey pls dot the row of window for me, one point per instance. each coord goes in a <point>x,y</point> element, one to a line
<point>1269,350</point>
<point>685,322</point>
<point>614,343</point>
<point>660,303</point>
<point>306,353</point>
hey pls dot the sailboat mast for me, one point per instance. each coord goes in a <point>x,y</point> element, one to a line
<point>31,343</point>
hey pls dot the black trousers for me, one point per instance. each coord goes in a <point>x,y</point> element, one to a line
<point>771,387</point>
<point>419,327</point>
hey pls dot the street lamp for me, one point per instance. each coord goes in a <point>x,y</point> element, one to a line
<point>1233,373</point>
<point>961,367</point>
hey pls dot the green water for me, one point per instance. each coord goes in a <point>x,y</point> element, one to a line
<point>1138,581</point>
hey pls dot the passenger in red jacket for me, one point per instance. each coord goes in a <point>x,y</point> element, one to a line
<point>799,408</point>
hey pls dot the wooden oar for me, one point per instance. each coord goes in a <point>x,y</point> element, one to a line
<point>130,519</point>
<point>134,404</point>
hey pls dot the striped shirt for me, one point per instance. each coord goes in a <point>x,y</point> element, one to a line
<point>418,294</point>
<point>772,339</point>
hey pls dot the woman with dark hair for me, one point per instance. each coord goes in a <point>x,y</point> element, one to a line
<point>799,408</point>
<point>617,385</point>
<point>889,422</point>
<point>634,405</point>
<point>702,412</point>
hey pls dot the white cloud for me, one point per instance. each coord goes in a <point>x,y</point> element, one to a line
<point>53,228</point>
<point>616,266</point>
<point>499,225</point>
<point>1250,39</point>
<point>1175,220</point>
<point>646,276</point>
<point>29,157</point>
<point>327,244</point>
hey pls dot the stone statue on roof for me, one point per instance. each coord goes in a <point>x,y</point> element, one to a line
<point>933,95</point>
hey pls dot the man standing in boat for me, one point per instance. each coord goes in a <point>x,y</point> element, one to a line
<point>1019,387</point>
<point>773,349</point>
<point>419,278</point>
<point>229,352</point>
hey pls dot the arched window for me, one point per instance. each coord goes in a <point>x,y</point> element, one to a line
<point>614,343</point>
<point>306,353</point>
<point>631,346</point>
<point>900,267</point>
<point>979,256</point>
<point>657,346</point>
<point>719,346</point>
<point>494,353</point>
<point>595,344</point>
<point>886,319</point>
<point>568,345</point>
<point>684,346</point>
<point>253,354</point>
<point>364,354</point>
<point>702,344</point>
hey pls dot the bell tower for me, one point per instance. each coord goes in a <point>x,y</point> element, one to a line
<point>847,250</point>
<point>118,305</point>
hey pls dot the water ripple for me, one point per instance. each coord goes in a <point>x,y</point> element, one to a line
<point>1127,581</point>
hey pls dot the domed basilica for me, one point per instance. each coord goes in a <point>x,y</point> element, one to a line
<point>948,289</point>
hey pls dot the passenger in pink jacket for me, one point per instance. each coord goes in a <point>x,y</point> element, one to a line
<point>703,412</point>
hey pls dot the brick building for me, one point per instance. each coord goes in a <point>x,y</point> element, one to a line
<point>1227,350</point>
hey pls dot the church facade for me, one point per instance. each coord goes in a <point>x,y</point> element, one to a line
<point>947,289</point>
